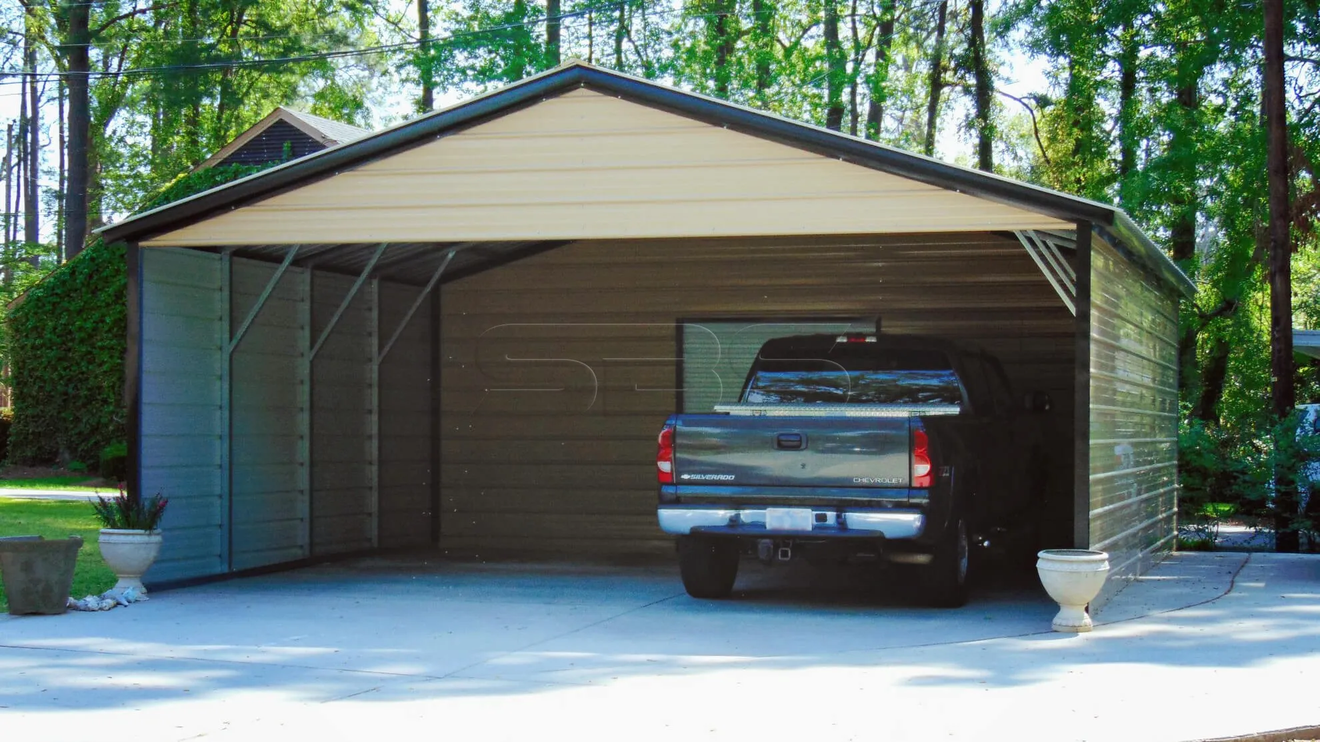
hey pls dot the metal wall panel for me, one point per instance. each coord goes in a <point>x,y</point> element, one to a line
<point>269,509</point>
<point>1134,415</point>
<point>405,420</point>
<point>341,419</point>
<point>585,165</point>
<point>180,426</point>
<point>559,369</point>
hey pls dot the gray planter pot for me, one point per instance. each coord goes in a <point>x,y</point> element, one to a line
<point>38,574</point>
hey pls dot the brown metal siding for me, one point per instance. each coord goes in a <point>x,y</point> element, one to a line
<point>559,369</point>
<point>1134,420</point>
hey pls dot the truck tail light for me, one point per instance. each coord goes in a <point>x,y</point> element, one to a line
<point>922,469</point>
<point>664,456</point>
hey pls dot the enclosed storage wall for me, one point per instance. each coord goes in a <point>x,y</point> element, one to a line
<point>180,441</point>
<point>268,458</point>
<point>1134,413</point>
<point>559,369</point>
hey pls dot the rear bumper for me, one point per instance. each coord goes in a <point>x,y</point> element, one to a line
<point>889,523</point>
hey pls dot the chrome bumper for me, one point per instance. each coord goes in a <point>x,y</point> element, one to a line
<point>846,523</point>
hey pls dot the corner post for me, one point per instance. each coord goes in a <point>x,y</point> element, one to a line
<point>1082,393</point>
<point>133,371</point>
<point>437,428</point>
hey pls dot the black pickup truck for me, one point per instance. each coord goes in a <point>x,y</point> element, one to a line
<point>898,448</point>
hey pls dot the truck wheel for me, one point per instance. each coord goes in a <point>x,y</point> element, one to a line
<point>946,575</point>
<point>708,566</point>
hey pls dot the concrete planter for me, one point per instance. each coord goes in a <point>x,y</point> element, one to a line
<point>38,574</point>
<point>129,554</point>
<point>1072,577</point>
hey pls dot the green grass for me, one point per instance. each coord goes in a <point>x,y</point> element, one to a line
<point>1219,509</point>
<point>60,520</point>
<point>74,483</point>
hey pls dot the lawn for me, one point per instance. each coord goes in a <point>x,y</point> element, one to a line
<point>60,520</point>
<point>74,483</point>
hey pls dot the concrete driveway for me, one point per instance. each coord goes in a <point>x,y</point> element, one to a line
<point>1208,645</point>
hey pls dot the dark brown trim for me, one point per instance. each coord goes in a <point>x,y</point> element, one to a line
<point>437,424</point>
<point>510,256</point>
<point>133,370</point>
<point>1082,393</point>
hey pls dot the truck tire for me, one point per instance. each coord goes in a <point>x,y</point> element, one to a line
<point>708,566</point>
<point>946,575</point>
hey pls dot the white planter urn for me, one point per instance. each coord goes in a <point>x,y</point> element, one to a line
<point>129,554</point>
<point>1072,577</point>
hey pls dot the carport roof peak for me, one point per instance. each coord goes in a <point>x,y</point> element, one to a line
<point>575,73</point>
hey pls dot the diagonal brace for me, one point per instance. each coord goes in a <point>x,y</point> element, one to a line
<point>435,278</point>
<point>261,300</point>
<point>343,306</point>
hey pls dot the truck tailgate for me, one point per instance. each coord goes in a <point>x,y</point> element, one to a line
<point>803,451</point>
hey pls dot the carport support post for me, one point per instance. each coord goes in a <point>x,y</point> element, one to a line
<point>305,406</point>
<point>1082,394</point>
<point>375,413</point>
<point>133,371</point>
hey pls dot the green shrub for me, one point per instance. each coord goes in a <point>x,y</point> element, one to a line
<point>114,462</point>
<point>77,467</point>
<point>66,343</point>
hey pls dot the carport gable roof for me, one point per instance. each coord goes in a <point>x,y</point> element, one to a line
<point>574,75</point>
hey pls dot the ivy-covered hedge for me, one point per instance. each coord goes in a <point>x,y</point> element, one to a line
<point>66,351</point>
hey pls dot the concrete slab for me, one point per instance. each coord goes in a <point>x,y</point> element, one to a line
<point>1210,645</point>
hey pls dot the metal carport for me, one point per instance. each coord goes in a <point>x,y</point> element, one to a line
<point>465,330</point>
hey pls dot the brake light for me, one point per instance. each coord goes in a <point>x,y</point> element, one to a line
<point>664,456</point>
<point>921,465</point>
<point>854,337</point>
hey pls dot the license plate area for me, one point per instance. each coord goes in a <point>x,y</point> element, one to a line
<point>788,519</point>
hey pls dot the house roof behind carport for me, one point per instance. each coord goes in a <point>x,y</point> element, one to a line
<point>1017,197</point>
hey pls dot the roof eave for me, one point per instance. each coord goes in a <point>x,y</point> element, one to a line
<point>804,136</point>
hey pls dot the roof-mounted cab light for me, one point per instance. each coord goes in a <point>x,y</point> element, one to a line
<point>856,337</point>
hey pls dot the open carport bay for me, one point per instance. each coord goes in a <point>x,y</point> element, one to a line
<point>1208,645</point>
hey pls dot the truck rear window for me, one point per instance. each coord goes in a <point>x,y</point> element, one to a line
<point>852,374</point>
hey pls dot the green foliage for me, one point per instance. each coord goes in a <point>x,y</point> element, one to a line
<point>114,462</point>
<point>190,184</point>
<point>78,467</point>
<point>66,344</point>
<point>131,514</point>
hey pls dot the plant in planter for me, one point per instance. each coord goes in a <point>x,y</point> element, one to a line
<point>129,538</point>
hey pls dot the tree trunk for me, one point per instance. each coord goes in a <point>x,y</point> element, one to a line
<point>426,75</point>
<point>854,112</point>
<point>9,193</point>
<point>620,33</point>
<point>552,23</point>
<point>763,43</point>
<point>1127,95</point>
<point>1280,263</point>
<point>875,111</point>
<point>936,78</point>
<point>1182,234</point>
<point>78,66</point>
<point>984,86</point>
<point>1214,373</point>
<point>59,195</point>
<point>835,72</point>
<point>32,187</point>
<point>721,24</point>
<point>985,134</point>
